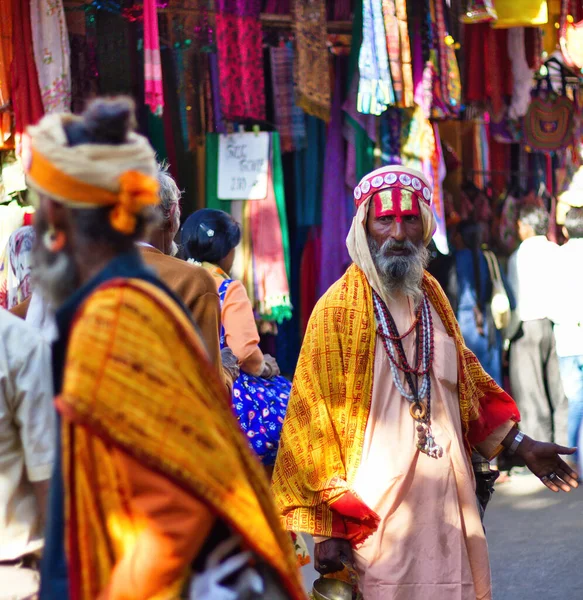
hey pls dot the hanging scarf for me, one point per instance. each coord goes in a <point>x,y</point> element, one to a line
<point>51,54</point>
<point>289,118</point>
<point>5,61</point>
<point>26,97</point>
<point>375,89</point>
<point>334,255</point>
<point>312,75</point>
<point>239,45</point>
<point>152,61</point>
<point>263,263</point>
<point>271,282</point>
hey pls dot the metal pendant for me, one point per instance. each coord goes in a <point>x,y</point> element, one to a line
<point>427,443</point>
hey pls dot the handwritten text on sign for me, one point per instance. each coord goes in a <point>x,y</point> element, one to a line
<point>243,164</point>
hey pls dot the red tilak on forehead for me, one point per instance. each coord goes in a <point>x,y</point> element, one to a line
<point>397,203</point>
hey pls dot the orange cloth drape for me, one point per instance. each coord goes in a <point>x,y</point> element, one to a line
<point>137,378</point>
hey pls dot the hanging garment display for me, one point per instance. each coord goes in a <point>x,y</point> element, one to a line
<point>375,88</point>
<point>51,54</point>
<point>520,13</point>
<point>312,69</point>
<point>152,61</point>
<point>26,97</point>
<point>265,266</point>
<point>548,124</point>
<point>5,60</point>
<point>521,74</point>
<point>290,119</point>
<point>399,50</point>
<point>241,77</point>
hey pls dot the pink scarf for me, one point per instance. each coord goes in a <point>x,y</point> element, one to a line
<point>152,62</point>
<point>268,256</point>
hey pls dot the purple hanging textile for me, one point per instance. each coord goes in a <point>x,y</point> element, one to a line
<point>418,66</point>
<point>217,112</point>
<point>241,8</point>
<point>278,7</point>
<point>334,255</point>
<point>339,10</point>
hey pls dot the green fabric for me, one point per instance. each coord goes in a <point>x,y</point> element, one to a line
<point>156,136</point>
<point>278,313</point>
<point>279,188</point>
<point>212,175</point>
<point>365,162</point>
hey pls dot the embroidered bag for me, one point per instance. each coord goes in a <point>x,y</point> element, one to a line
<point>500,304</point>
<point>548,124</point>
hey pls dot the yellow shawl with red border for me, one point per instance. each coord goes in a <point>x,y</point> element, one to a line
<point>324,429</point>
<point>137,377</point>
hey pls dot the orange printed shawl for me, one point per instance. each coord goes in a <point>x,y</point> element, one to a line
<point>137,377</point>
<point>323,433</point>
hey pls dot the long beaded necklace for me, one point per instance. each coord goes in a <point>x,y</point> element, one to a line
<point>424,350</point>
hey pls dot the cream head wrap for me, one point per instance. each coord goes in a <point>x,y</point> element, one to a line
<point>386,178</point>
<point>92,175</point>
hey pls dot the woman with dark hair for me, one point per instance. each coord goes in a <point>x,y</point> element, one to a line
<point>260,394</point>
<point>474,295</point>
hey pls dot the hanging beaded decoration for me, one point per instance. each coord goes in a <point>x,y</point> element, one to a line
<point>392,342</point>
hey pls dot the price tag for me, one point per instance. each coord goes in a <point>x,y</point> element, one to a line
<point>243,165</point>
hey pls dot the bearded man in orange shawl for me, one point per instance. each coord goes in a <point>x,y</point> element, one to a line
<point>152,473</point>
<point>386,408</point>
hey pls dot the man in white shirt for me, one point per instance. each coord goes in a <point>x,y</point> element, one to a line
<point>568,318</point>
<point>534,367</point>
<point>26,453</point>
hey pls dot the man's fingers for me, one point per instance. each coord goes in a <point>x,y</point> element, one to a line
<point>550,484</point>
<point>564,450</point>
<point>567,476</point>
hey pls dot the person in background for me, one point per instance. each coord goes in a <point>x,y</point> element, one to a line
<point>27,441</point>
<point>535,377</point>
<point>193,285</point>
<point>474,295</point>
<point>260,394</point>
<point>568,318</point>
<point>151,471</point>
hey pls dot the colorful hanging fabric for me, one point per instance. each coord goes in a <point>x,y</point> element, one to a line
<point>375,90</point>
<point>19,256</point>
<point>239,46</point>
<point>391,137</point>
<point>289,117</point>
<point>5,87</point>
<point>312,71</point>
<point>51,54</point>
<point>152,63</point>
<point>334,254</point>
<point>26,98</point>
<point>271,281</point>
<point>267,263</point>
<point>399,50</point>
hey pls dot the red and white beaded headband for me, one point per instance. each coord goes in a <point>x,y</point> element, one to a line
<point>393,177</point>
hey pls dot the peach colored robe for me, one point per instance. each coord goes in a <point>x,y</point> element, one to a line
<point>430,542</point>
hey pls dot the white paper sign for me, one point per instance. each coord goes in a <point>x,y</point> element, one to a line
<point>243,164</point>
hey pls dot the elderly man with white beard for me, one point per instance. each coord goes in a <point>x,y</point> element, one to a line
<point>386,408</point>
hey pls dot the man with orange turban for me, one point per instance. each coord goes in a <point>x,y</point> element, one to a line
<point>152,474</point>
<point>386,408</point>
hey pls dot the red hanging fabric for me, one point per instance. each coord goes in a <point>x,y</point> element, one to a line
<point>26,98</point>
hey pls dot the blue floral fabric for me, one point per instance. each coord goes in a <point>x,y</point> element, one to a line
<point>259,405</point>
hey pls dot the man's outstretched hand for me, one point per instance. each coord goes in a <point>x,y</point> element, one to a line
<point>544,460</point>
